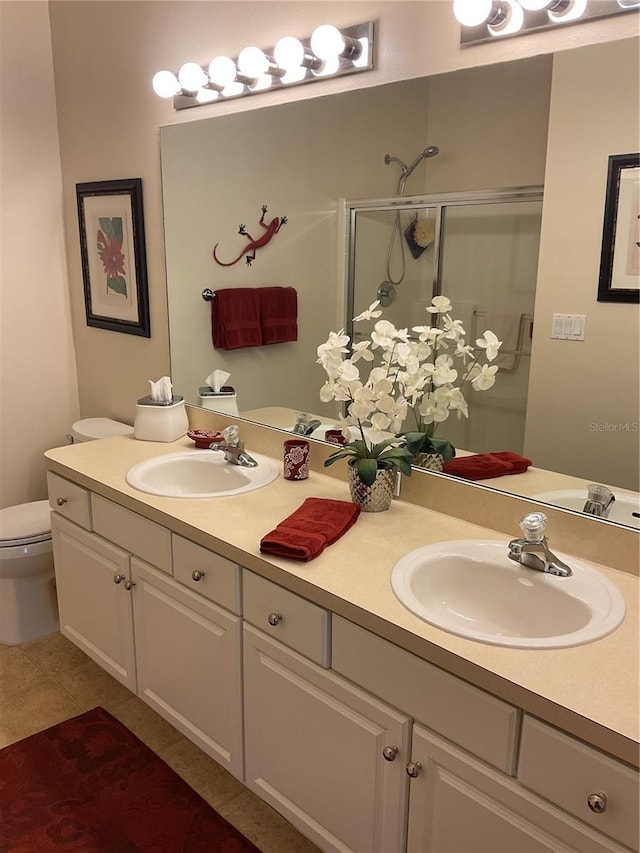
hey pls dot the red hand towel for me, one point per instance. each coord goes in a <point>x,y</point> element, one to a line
<point>278,314</point>
<point>519,464</point>
<point>235,318</point>
<point>305,533</point>
<point>484,466</point>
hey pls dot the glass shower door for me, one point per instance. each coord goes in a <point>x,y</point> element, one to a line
<point>488,269</point>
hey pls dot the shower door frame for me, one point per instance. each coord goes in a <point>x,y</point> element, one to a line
<point>434,201</point>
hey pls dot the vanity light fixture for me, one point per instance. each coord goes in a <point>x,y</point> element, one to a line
<point>484,20</point>
<point>329,52</point>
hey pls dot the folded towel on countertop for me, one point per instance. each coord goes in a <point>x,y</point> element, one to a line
<point>235,318</point>
<point>484,466</point>
<point>278,314</point>
<point>305,533</point>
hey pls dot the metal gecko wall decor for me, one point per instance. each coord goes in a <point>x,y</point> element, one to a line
<point>249,251</point>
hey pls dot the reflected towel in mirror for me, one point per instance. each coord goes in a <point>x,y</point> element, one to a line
<point>278,314</point>
<point>235,318</point>
<point>484,466</point>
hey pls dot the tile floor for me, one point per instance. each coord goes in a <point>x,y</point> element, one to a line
<point>50,680</point>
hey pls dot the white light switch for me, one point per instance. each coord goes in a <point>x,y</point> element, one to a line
<point>568,327</point>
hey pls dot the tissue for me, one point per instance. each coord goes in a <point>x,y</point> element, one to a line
<point>162,390</point>
<point>217,379</point>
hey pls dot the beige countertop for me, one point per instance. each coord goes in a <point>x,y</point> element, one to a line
<point>590,691</point>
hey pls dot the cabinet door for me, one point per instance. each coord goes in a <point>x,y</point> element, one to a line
<point>314,751</point>
<point>94,602</point>
<point>189,663</point>
<point>457,804</point>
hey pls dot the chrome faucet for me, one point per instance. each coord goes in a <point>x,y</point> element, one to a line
<point>533,550</point>
<point>305,424</point>
<point>599,500</point>
<point>233,448</point>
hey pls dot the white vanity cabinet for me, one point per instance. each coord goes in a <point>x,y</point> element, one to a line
<point>314,750</point>
<point>178,650</point>
<point>93,582</point>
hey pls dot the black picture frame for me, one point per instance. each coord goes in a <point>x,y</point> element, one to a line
<point>112,248</point>
<point>620,255</point>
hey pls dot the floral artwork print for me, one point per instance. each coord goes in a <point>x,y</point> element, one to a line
<point>109,244</point>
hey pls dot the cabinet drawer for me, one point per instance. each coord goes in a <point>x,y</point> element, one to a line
<point>215,577</point>
<point>299,624</point>
<point>69,500</point>
<point>477,721</point>
<point>567,772</point>
<point>131,531</point>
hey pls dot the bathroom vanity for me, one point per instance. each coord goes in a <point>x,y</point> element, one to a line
<point>367,728</point>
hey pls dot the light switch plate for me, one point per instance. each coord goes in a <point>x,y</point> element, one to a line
<point>568,327</point>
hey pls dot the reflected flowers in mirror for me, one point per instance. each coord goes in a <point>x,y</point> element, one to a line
<point>415,380</point>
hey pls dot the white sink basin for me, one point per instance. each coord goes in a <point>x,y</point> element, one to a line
<point>199,474</point>
<point>621,511</point>
<point>472,589</point>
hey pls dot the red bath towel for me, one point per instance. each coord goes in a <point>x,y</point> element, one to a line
<point>278,314</point>
<point>484,466</point>
<point>235,318</point>
<point>305,533</point>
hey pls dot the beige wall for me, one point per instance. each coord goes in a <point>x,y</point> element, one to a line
<point>38,390</point>
<point>576,385</point>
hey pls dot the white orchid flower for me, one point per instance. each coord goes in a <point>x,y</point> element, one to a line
<point>361,350</point>
<point>485,377</point>
<point>439,305</point>
<point>370,313</point>
<point>444,371</point>
<point>490,343</point>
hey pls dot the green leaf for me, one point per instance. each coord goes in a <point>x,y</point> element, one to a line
<point>106,226</point>
<point>339,454</point>
<point>118,284</point>
<point>367,470</point>
<point>117,228</point>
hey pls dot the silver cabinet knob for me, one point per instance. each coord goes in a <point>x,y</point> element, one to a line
<point>413,769</point>
<point>129,585</point>
<point>389,753</point>
<point>597,802</point>
<point>197,575</point>
<point>61,501</point>
<point>274,619</point>
<point>118,578</point>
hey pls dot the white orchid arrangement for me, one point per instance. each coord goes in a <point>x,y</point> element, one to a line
<point>422,374</point>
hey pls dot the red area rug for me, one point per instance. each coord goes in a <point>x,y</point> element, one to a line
<point>90,785</point>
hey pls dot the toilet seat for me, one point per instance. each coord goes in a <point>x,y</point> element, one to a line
<point>25,524</point>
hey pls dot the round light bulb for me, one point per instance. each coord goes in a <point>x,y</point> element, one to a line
<point>252,62</point>
<point>534,5</point>
<point>511,23</point>
<point>289,53</point>
<point>222,70</point>
<point>192,77</point>
<point>574,10</point>
<point>260,83</point>
<point>294,75</point>
<point>165,84</point>
<point>472,13</point>
<point>205,96</point>
<point>327,42</point>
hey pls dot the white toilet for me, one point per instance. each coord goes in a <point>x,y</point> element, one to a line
<point>28,606</point>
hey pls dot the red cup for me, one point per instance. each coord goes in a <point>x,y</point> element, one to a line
<point>335,436</point>
<point>295,459</point>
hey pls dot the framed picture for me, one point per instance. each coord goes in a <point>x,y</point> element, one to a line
<point>112,246</point>
<point>620,258</point>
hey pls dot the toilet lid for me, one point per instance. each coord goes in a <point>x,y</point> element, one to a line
<point>92,428</point>
<point>25,524</point>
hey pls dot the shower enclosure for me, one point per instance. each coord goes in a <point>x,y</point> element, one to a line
<point>480,250</point>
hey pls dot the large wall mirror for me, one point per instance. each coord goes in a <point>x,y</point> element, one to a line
<point>304,160</point>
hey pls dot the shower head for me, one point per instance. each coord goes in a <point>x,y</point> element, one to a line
<point>429,151</point>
